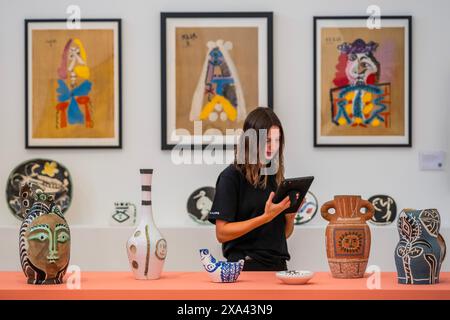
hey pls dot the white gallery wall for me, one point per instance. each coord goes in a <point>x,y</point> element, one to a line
<point>101,177</point>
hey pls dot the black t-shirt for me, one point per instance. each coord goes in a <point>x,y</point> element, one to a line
<point>237,200</point>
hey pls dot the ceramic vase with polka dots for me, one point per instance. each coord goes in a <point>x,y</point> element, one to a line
<point>146,247</point>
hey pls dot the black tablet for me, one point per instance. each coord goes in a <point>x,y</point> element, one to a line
<point>296,189</point>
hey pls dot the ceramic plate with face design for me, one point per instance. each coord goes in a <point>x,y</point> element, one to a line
<point>199,204</point>
<point>308,210</point>
<point>49,175</point>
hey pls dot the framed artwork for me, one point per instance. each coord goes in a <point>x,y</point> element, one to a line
<point>216,68</point>
<point>362,82</point>
<point>73,84</point>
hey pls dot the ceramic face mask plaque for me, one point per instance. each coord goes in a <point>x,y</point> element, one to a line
<point>44,240</point>
<point>199,204</point>
<point>385,209</point>
<point>50,176</point>
<point>308,210</point>
<point>124,214</point>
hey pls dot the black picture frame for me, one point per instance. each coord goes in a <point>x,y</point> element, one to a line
<point>408,82</point>
<point>164,16</point>
<point>119,138</point>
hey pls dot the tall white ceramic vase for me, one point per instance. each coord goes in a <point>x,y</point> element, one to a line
<point>146,247</point>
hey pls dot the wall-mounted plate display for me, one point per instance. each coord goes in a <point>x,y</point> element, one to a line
<point>308,210</point>
<point>199,204</point>
<point>124,214</point>
<point>385,209</point>
<point>50,176</point>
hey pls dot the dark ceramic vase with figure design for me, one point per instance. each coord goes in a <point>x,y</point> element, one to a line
<point>146,247</point>
<point>44,240</point>
<point>347,235</point>
<point>421,250</point>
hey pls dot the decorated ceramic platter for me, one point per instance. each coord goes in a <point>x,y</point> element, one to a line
<point>295,276</point>
<point>199,204</point>
<point>308,210</point>
<point>51,176</point>
<point>385,209</point>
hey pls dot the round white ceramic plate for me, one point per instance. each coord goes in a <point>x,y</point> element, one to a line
<point>295,276</point>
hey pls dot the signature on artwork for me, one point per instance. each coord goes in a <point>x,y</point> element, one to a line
<point>333,39</point>
<point>187,38</point>
<point>51,42</point>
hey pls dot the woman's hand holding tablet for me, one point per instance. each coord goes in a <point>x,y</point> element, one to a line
<point>296,189</point>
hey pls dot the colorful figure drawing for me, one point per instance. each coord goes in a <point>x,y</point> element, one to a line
<point>218,93</point>
<point>358,99</point>
<point>74,87</point>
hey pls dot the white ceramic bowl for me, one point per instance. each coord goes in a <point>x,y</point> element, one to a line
<point>295,276</point>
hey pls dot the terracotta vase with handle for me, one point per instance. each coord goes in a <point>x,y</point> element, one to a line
<point>347,235</point>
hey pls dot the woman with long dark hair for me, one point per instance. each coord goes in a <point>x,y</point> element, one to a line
<point>248,224</point>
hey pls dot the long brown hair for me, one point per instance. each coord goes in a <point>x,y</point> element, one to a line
<point>260,118</point>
